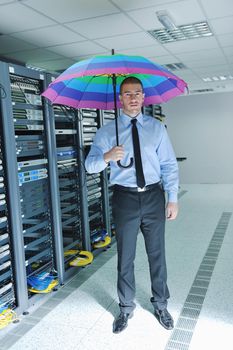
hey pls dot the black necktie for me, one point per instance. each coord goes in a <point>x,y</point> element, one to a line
<point>137,155</point>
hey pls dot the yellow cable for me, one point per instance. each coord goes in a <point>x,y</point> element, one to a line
<point>71,252</point>
<point>84,258</point>
<point>104,243</point>
<point>6,317</point>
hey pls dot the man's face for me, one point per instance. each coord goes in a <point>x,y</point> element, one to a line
<point>132,98</point>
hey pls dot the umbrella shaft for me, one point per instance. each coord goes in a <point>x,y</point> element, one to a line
<point>115,107</point>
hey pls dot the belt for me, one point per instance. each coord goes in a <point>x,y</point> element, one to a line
<point>138,189</point>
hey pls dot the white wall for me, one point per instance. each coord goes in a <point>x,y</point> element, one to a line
<point>201,129</point>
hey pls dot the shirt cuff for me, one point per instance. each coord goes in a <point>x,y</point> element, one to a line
<point>172,197</point>
<point>103,164</point>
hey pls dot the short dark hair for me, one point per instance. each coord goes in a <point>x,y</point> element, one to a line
<point>130,80</point>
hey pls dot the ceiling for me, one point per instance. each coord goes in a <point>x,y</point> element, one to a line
<point>53,34</point>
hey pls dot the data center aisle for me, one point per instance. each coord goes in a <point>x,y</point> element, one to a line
<point>199,257</point>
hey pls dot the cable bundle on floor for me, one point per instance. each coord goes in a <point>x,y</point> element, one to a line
<point>7,316</point>
<point>82,258</point>
<point>101,239</point>
<point>43,282</point>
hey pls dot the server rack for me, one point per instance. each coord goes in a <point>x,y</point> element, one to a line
<point>96,201</point>
<point>154,111</point>
<point>108,116</point>
<point>7,281</point>
<point>24,125</point>
<point>69,181</point>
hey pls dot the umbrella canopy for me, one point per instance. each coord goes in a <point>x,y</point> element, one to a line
<point>88,83</point>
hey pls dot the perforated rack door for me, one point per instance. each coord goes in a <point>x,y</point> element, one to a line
<point>65,119</point>
<point>96,191</point>
<point>28,169</point>
<point>7,282</point>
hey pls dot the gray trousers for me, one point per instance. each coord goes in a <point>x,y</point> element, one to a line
<point>146,211</point>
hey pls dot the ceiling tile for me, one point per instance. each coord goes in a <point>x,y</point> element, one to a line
<point>36,55</point>
<point>200,54</point>
<point>49,36</point>
<point>222,25</point>
<point>188,75</point>
<point>192,45</point>
<point>72,10</point>
<point>215,9</point>
<point>5,1</point>
<point>205,62</point>
<point>9,44</point>
<point>54,65</point>
<point>138,4</point>
<point>15,18</point>
<point>226,39</point>
<point>127,41</point>
<point>164,59</point>
<point>147,51</point>
<point>182,12</point>
<point>78,49</point>
<point>228,51</point>
<point>213,70</point>
<point>104,26</point>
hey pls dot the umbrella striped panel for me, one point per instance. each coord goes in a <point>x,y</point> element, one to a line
<point>97,91</point>
<point>116,64</point>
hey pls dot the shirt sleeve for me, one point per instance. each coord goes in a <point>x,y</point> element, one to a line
<point>95,162</point>
<point>168,167</point>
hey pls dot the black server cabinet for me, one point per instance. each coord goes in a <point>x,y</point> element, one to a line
<point>154,111</point>
<point>95,200</point>
<point>8,299</point>
<point>108,116</point>
<point>27,163</point>
<point>68,169</point>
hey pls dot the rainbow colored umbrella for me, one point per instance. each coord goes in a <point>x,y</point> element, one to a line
<point>95,83</point>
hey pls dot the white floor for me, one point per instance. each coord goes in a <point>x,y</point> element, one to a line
<point>82,320</point>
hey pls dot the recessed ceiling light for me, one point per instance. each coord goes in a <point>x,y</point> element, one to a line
<point>35,68</point>
<point>217,78</point>
<point>184,32</point>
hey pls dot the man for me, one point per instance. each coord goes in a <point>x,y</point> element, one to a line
<point>138,198</point>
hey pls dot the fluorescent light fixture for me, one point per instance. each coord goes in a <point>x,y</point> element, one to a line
<point>35,68</point>
<point>183,32</point>
<point>217,78</point>
<point>206,79</point>
<point>166,20</point>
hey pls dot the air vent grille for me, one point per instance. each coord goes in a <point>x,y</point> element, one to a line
<point>175,66</point>
<point>200,91</point>
<point>184,32</point>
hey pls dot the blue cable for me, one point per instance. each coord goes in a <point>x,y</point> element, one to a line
<point>41,281</point>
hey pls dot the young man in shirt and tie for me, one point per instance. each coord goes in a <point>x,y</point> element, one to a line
<point>138,198</point>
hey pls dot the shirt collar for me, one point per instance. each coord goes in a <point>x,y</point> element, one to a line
<point>126,120</point>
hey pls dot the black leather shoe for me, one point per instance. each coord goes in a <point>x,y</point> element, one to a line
<point>121,322</point>
<point>164,318</point>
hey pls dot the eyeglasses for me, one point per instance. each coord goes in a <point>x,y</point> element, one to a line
<point>134,95</point>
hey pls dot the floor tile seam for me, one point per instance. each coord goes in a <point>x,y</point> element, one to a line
<point>97,320</point>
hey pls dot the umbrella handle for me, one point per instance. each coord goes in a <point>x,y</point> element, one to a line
<point>125,166</point>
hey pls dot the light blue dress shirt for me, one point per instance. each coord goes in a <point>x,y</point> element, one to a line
<point>158,158</point>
